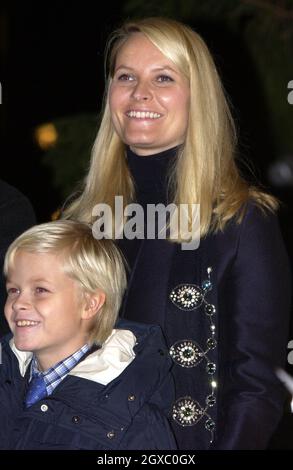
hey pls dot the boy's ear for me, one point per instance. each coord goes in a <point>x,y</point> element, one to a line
<point>93,303</point>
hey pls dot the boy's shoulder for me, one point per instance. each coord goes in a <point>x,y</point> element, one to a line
<point>144,333</point>
<point>8,364</point>
<point>5,344</point>
<point>151,355</point>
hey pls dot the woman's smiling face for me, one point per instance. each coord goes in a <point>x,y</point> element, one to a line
<point>149,98</point>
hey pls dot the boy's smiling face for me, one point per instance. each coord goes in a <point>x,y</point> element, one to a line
<point>45,308</point>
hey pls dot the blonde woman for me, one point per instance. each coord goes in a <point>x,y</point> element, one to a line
<point>167,137</point>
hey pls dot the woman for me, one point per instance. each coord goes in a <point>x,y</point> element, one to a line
<point>167,136</point>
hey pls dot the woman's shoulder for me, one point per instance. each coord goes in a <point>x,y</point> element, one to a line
<point>255,229</point>
<point>259,217</point>
<point>253,215</point>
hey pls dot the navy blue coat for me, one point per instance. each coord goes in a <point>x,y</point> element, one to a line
<point>224,309</point>
<point>128,413</point>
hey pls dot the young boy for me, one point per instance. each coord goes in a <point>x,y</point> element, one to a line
<point>68,380</point>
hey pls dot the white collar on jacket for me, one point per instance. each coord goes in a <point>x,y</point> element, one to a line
<point>103,365</point>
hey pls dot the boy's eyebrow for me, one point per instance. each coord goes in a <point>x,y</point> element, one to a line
<point>33,279</point>
<point>40,279</point>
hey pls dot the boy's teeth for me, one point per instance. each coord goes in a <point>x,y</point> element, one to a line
<point>26,323</point>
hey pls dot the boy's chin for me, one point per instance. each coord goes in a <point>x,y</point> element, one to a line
<point>22,346</point>
<point>23,349</point>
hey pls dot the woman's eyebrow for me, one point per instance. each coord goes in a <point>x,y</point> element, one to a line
<point>155,69</point>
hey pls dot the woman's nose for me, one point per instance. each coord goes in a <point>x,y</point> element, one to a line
<point>142,92</point>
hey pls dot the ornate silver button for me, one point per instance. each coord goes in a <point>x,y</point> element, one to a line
<point>187,296</point>
<point>186,353</point>
<point>187,411</point>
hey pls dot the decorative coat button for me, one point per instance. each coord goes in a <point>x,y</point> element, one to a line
<point>187,411</point>
<point>206,285</point>
<point>187,296</point>
<point>211,343</point>
<point>44,408</point>
<point>210,425</point>
<point>210,309</point>
<point>75,419</point>
<point>210,400</point>
<point>110,435</point>
<point>186,353</point>
<point>131,397</point>
<point>211,368</point>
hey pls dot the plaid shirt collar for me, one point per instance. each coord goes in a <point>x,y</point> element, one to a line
<point>59,371</point>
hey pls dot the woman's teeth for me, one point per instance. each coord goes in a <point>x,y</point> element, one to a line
<point>143,115</point>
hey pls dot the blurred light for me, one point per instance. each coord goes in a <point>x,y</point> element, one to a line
<point>56,214</point>
<point>280,173</point>
<point>46,136</point>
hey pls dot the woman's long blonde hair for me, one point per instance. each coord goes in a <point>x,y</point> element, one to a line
<point>205,172</point>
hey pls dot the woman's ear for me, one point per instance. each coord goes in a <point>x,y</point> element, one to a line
<point>93,302</point>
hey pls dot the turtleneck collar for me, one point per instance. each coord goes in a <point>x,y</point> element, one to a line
<point>150,175</point>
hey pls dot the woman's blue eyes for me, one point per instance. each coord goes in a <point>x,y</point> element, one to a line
<point>160,78</point>
<point>165,78</point>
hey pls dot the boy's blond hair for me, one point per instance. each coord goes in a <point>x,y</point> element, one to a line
<point>94,264</point>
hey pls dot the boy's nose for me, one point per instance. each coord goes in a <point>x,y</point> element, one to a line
<point>21,303</point>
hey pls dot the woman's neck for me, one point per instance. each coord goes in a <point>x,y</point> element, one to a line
<point>150,175</point>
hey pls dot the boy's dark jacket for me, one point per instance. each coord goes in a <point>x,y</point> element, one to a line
<point>128,413</point>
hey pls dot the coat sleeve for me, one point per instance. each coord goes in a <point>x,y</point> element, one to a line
<point>255,305</point>
<point>150,430</point>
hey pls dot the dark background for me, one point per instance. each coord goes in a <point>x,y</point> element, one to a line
<point>52,65</point>
<point>51,69</point>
